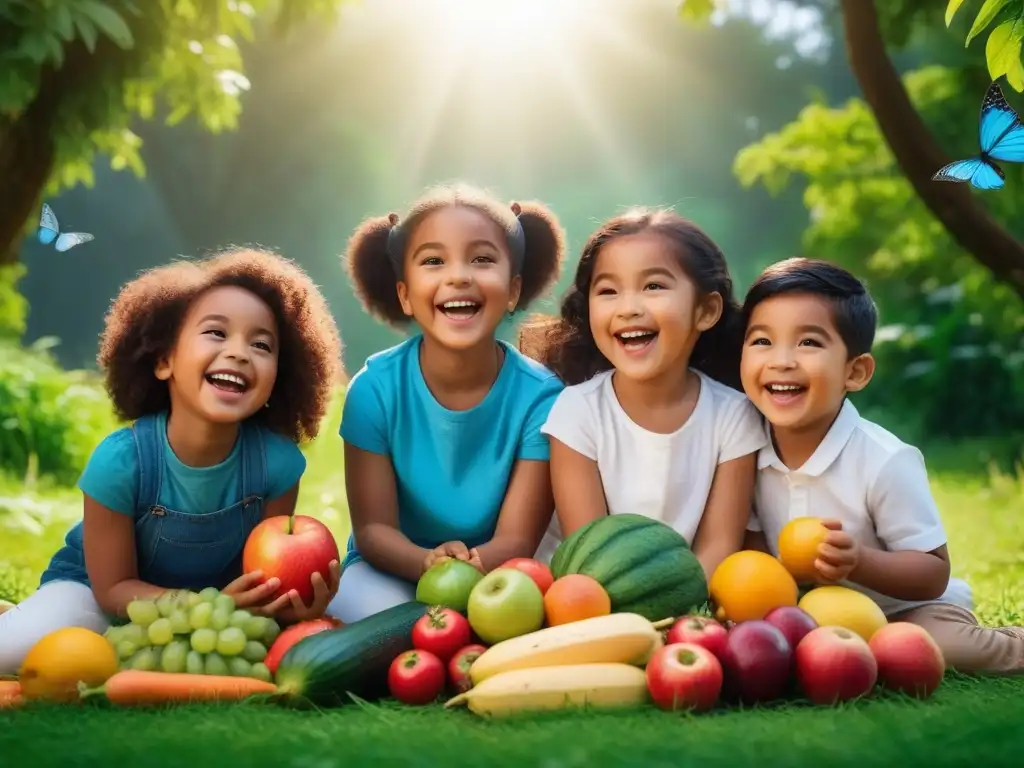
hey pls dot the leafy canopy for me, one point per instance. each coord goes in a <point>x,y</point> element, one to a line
<point>1003,47</point>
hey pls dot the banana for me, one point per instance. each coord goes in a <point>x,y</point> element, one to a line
<point>602,686</point>
<point>625,638</point>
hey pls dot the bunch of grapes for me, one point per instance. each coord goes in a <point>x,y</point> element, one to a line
<point>197,632</point>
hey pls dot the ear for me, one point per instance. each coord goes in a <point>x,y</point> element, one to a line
<point>515,290</point>
<point>516,208</point>
<point>403,298</point>
<point>709,312</point>
<point>859,372</point>
<point>163,369</point>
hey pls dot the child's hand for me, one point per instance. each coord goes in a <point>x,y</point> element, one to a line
<point>294,610</point>
<point>446,551</point>
<point>252,596</point>
<point>838,555</point>
<point>475,561</point>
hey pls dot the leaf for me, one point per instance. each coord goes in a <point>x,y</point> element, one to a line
<point>108,21</point>
<point>87,32</point>
<point>951,9</point>
<point>696,11</point>
<point>1003,48</point>
<point>1015,75</point>
<point>985,16</point>
<point>63,23</point>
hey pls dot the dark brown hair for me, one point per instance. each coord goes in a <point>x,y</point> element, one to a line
<point>373,275</point>
<point>567,346</point>
<point>144,322</point>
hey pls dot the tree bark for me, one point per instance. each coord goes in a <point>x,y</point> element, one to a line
<point>918,154</point>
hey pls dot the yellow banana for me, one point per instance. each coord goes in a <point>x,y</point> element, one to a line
<point>625,638</point>
<point>602,686</point>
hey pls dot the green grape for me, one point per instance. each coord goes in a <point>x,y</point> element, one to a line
<point>199,616</point>
<point>261,672</point>
<point>192,599</point>
<point>135,633</point>
<point>220,619</point>
<point>271,632</point>
<point>239,667</point>
<point>254,651</point>
<point>203,640</point>
<point>179,622</point>
<point>230,641</point>
<point>165,604</point>
<point>126,649</point>
<point>160,632</point>
<point>173,658</point>
<point>255,627</point>
<point>194,663</point>
<point>144,660</point>
<point>114,635</point>
<point>239,619</point>
<point>214,664</point>
<point>143,612</point>
<point>209,594</point>
<point>224,603</point>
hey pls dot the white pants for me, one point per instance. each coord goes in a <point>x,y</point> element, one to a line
<point>364,591</point>
<point>55,605</point>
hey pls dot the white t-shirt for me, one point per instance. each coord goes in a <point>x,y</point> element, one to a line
<point>666,477</point>
<point>868,479</point>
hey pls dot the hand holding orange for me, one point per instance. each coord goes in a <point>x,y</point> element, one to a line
<point>799,542</point>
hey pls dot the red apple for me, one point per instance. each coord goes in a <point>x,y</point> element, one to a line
<point>699,630</point>
<point>292,635</point>
<point>909,659</point>
<point>684,676</point>
<point>757,662</point>
<point>795,623</point>
<point>535,569</point>
<point>834,664</point>
<point>292,548</point>
<point>458,667</point>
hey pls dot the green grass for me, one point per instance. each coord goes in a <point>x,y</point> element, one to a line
<point>969,721</point>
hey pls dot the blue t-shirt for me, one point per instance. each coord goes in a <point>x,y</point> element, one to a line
<point>452,467</point>
<point>111,477</point>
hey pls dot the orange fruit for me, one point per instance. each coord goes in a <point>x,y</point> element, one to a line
<point>748,584</point>
<point>54,666</point>
<point>575,597</point>
<point>798,547</point>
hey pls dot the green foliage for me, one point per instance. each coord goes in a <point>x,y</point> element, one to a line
<point>697,11</point>
<point>951,352</point>
<point>14,583</point>
<point>50,419</point>
<point>1003,47</point>
<point>13,306</point>
<point>180,54</point>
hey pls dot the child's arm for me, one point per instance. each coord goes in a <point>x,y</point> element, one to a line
<point>524,516</point>
<point>283,505</point>
<point>578,491</point>
<point>723,527</point>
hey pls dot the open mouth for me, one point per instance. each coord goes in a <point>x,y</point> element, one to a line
<point>228,382</point>
<point>637,339</point>
<point>785,392</point>
<point>461,309</point>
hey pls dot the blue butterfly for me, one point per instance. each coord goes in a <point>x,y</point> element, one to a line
<point>49,230</point>
<point>1002,138</point>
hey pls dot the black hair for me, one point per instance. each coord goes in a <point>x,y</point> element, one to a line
<point>373,274</point>
<point>566,344</point>
<point>853,310</point>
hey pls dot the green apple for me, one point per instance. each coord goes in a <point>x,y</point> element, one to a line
<point>506,603</point>
<point>448,583</point>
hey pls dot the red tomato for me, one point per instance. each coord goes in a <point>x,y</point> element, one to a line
<point>458,667</point>
<point>442,631</point>
<point>416,677</point>
<point>291,635</point>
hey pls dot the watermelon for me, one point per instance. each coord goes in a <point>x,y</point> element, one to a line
<point>645,566</point>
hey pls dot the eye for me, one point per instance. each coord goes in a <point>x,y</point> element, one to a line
<point>604,291</point>
<point>810,342</point>
<point>215,331</point>
<point>432,261</point>
<point>262,345</point>
<point>760,341</point>
<point>654,287</point>
<point>486,258</point>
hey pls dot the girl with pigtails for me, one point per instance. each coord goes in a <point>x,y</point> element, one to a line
<point>444,456</point>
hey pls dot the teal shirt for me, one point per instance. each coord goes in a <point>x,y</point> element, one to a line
<point>452,468</point>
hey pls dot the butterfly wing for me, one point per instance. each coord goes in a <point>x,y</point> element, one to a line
<point>48,227</point>
<point>979,172</point>
<point>69,240</point>
<point>1002,135</point>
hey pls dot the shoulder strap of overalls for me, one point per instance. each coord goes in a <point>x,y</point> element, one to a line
<point>151,466</point>
<point>253,460</point>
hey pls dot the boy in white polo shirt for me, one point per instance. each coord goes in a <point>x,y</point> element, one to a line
<point>809,330</point>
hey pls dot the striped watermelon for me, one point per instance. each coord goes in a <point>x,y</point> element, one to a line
<point>646,566</point>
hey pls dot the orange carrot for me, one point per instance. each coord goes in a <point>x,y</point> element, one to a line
<point>10,694</point>
<point>135,688</point>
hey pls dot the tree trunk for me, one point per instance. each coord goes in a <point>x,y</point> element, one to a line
<point>918,154</point>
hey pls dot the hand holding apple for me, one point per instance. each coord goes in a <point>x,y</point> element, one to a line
<point>450,550</point>
<point>291,549</point>
<point>323,593</point>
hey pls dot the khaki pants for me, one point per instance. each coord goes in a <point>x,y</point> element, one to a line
<point>967,646</point>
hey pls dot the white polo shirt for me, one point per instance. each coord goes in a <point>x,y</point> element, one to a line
<point>666,477</point>
<point>871,481</point>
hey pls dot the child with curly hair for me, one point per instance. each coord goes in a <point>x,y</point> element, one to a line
<point>443,452</point>
<point>651,421</point>
<point>222,366</point>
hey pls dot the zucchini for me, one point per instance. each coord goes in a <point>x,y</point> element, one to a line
<point>325,667</point>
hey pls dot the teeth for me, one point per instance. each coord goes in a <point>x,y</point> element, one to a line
<point>635,334</point>
<point>228,377</point>
<point>458,304</point>
<point>784,387</point>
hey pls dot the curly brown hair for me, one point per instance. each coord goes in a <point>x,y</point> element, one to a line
<point>373,274</point>
<point>143,323</point>
<point>566,345</point>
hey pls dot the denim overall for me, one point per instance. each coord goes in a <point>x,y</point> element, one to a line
<point>182,550</point>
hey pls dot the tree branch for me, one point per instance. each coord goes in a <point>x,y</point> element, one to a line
<point>918,154</point>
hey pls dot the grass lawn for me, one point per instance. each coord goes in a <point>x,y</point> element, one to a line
<point>969,721</point>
